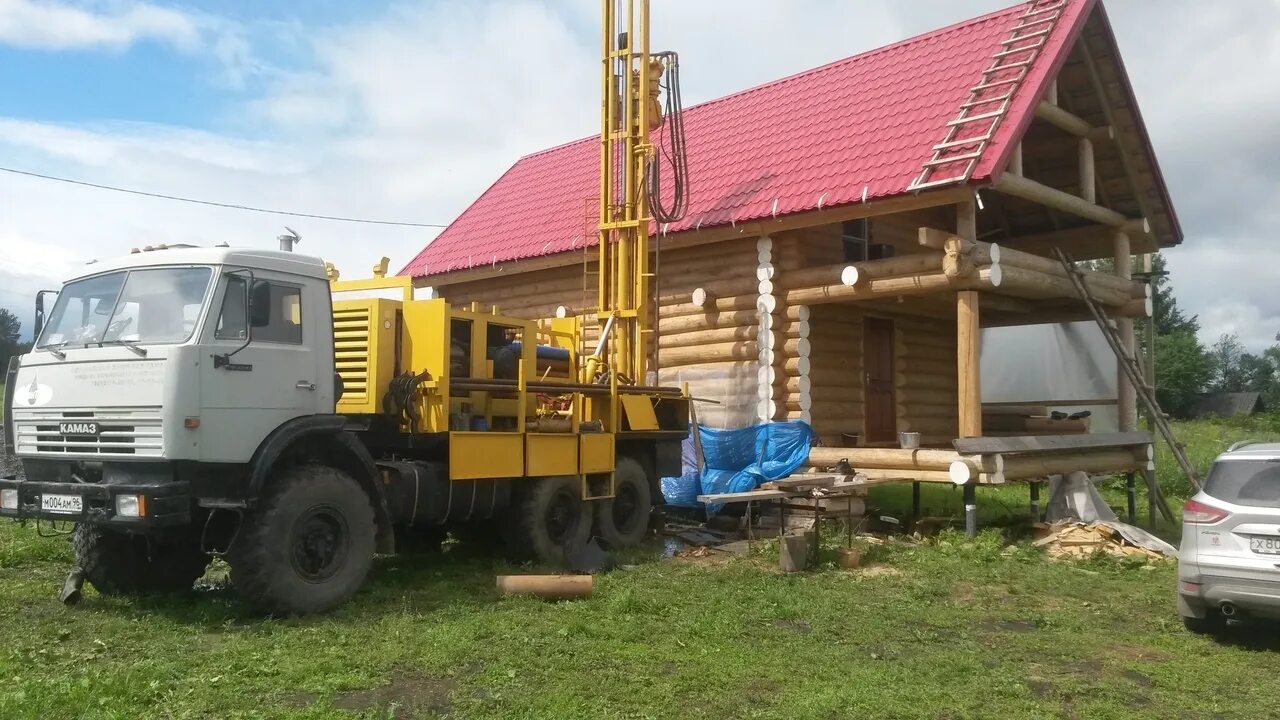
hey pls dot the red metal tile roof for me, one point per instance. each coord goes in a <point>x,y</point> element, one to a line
<point>855,130</point>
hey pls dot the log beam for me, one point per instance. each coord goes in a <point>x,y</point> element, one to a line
<point>1071,123</point>
<point>1035,192</point>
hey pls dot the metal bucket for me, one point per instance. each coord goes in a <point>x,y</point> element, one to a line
<point>851,439</point>
<point>909,440</point>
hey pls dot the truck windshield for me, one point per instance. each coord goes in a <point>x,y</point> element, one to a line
<point>156,305</point>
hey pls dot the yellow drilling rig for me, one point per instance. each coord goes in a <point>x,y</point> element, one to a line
<point>184,402</point>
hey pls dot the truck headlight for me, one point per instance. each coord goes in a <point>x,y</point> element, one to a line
<point>131,505</point>
<point>8,499</point>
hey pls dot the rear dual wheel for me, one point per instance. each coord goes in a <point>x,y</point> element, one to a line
<point>548,520</point>
<point>623,520</point>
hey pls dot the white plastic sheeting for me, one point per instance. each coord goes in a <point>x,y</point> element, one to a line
<point>1038,363</point>
<point>733,386</point>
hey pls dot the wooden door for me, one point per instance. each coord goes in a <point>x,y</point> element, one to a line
<point>877,363</point>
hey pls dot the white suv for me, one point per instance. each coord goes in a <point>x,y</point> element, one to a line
<point>1229,561</point>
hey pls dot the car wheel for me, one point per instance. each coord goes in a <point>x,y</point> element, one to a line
<point>1212,623</point>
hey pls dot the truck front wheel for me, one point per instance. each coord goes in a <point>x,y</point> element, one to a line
<point>120,563</point>
<point>307,546</point>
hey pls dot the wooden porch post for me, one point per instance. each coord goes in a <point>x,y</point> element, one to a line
<point>1126,394</point>
<point>968,337</point>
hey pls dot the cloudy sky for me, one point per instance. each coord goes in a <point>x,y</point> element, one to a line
<point>407,111</point>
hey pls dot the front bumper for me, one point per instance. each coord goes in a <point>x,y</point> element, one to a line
<point>168,504</point>
<point>1256,597</point>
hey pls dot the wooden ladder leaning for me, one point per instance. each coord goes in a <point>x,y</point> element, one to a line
<point>969,133</point>
<point>1133,371</point>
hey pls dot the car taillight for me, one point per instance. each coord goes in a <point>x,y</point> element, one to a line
<point>1197,512</point>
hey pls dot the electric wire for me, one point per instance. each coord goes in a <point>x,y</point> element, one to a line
<point>212,203</point>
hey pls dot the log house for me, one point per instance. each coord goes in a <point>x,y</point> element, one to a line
<point>852,230</point>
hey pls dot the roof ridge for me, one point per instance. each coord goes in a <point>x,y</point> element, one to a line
<point>810,71</point>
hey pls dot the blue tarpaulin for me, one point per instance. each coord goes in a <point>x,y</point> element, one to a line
<point>738,460</point>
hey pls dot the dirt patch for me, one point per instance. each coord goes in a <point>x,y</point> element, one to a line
<point>1040,688</point>
<point>408,696</point>
<point>1015,626</point>
<point>797,626</point>
<point>1138,678</point>
<point>1138,653</point>
<point>879,571</point>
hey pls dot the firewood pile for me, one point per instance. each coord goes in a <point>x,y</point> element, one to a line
<point>1077,541</point>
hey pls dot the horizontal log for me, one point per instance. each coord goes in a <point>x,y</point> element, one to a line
<point>729,303</point>
<point>1021,282</point>
<point>1095,281</point>
<point>704,337</point>
<point>547,587</point>
<point>714,352</point>
<point>896,458</point>
<point>1022,467</point>
<point>1071,123</point>
<point>1039,193</point>
<point>985,279</point>
<point>713,321</point>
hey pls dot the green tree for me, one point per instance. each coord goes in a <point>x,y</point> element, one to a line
<point>1182,371</point>
<point>10,328</point>
<point>1226,365</point>
<point>1169,318</point>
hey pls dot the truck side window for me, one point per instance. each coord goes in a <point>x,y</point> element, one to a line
<point>231,320</point>
<point>284,324</point>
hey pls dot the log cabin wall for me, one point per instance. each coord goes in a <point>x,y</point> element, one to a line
<point>745,349</point>
<point>713,347</point>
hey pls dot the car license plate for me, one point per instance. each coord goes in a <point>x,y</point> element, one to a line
<point>64,504</point>
<point>1265,545</point>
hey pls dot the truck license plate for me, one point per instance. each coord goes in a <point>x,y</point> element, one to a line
<point>64,504</point>
<point>1265,545</point>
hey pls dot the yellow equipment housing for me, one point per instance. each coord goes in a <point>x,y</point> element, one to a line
<point>505,395</point>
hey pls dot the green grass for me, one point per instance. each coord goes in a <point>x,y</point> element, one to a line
<point>949,628</point>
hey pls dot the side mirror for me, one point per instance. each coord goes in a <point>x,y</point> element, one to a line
<point>260,305</point>
<point>40,312</point>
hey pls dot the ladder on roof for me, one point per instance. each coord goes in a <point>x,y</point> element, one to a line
<point>1133,371</point>
<point>968,134</point>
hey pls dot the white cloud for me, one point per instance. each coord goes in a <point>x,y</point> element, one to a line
<point>51,25</point>
<point>413,113</point>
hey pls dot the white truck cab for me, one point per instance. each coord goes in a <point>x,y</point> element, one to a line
<point>154,357</point>
<point>164,389</point>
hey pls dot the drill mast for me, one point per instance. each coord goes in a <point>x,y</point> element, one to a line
<point>629,110</point>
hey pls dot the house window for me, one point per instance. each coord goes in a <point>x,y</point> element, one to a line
<point>855,236</point>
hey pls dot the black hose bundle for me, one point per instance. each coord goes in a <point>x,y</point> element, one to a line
<point>671,149</point>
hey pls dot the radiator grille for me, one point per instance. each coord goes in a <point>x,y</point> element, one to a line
<point>135,432</point>
<point>351,353</point>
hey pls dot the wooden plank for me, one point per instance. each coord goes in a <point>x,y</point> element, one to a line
<point>1049,443</point>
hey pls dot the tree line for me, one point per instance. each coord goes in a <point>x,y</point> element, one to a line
<point>1186,369</point>
<point>10,331</point>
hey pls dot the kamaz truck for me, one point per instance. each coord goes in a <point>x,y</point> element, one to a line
<point>183,402</point>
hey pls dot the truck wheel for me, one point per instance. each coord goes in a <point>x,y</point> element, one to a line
<point>120,563</point>
<point>623,520</point>
<point>548,519</point>
<point>307,546</point>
